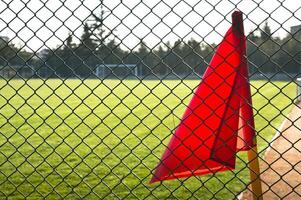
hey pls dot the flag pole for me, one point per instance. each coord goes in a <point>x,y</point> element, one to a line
<point>255,172</point>
<point>253,164</point>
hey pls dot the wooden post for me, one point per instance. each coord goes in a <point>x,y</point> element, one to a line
<point>237,23</point>
<point>255,173</point>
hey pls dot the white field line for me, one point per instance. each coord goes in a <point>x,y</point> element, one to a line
<point>277,134</point>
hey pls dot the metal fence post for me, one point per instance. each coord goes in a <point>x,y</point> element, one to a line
<point>298,81</point>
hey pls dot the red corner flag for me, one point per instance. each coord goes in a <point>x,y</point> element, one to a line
<point>218,121</point>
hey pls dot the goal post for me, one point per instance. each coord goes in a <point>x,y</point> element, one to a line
<point>116,70</point>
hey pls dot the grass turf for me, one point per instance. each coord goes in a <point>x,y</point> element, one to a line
<point>93,139</point>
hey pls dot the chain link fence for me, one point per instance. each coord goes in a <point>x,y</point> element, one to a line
<point>91,91</point>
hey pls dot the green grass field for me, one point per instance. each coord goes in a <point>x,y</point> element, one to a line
<point>94,139</point>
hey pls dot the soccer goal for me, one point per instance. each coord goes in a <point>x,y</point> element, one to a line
<point>116,70</point>
<point>16,71</point>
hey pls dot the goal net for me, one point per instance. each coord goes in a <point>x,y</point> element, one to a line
<point>116,70</point>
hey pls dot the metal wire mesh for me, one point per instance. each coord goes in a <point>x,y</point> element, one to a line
<point>91,91</point>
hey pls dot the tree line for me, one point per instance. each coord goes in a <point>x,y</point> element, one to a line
<point>266,54</point>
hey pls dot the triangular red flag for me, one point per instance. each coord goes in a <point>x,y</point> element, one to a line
<point>218,121</point>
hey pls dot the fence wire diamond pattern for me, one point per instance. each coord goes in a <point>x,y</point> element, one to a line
<point>91,92</point>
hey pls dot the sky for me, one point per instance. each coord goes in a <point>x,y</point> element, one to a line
<point>38,24</point>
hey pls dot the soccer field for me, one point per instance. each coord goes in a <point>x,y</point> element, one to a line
<point>101,139</point>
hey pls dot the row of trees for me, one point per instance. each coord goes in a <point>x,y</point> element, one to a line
<point>269,54</point>
<point>12,55</point>
<point>266,54</point>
